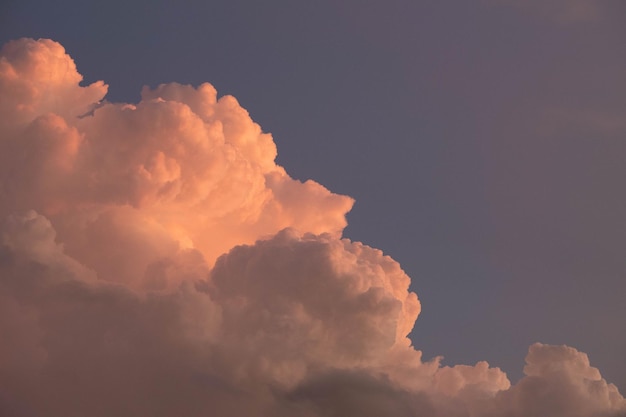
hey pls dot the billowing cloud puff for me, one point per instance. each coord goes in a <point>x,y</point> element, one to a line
<point>155,261</point>
<point>560,381</point>
<point>311,301</point>
<point>37,78</point>
<point>122,175</point>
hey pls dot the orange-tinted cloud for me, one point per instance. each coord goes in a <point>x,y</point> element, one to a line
<point>151,264</point>
<point>179,169</point>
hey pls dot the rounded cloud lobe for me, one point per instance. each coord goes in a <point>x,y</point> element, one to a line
<point>155,261</point>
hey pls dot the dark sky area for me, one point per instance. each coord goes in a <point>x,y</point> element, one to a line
<point>484,141</point>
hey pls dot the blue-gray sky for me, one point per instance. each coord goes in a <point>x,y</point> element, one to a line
<point>484,142</point>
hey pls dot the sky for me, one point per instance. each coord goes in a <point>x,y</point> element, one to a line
<point>478,145</point>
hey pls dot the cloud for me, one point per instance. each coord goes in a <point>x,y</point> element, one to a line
<point>560,381</point>
<point>155,261</point>
<point>122,176</point>
<point>311,301</point>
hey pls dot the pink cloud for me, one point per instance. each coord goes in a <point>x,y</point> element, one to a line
<point>151,264</point>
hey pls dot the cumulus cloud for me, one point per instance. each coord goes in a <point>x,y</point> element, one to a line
<point>122,176</point>
<point>156,261</point>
